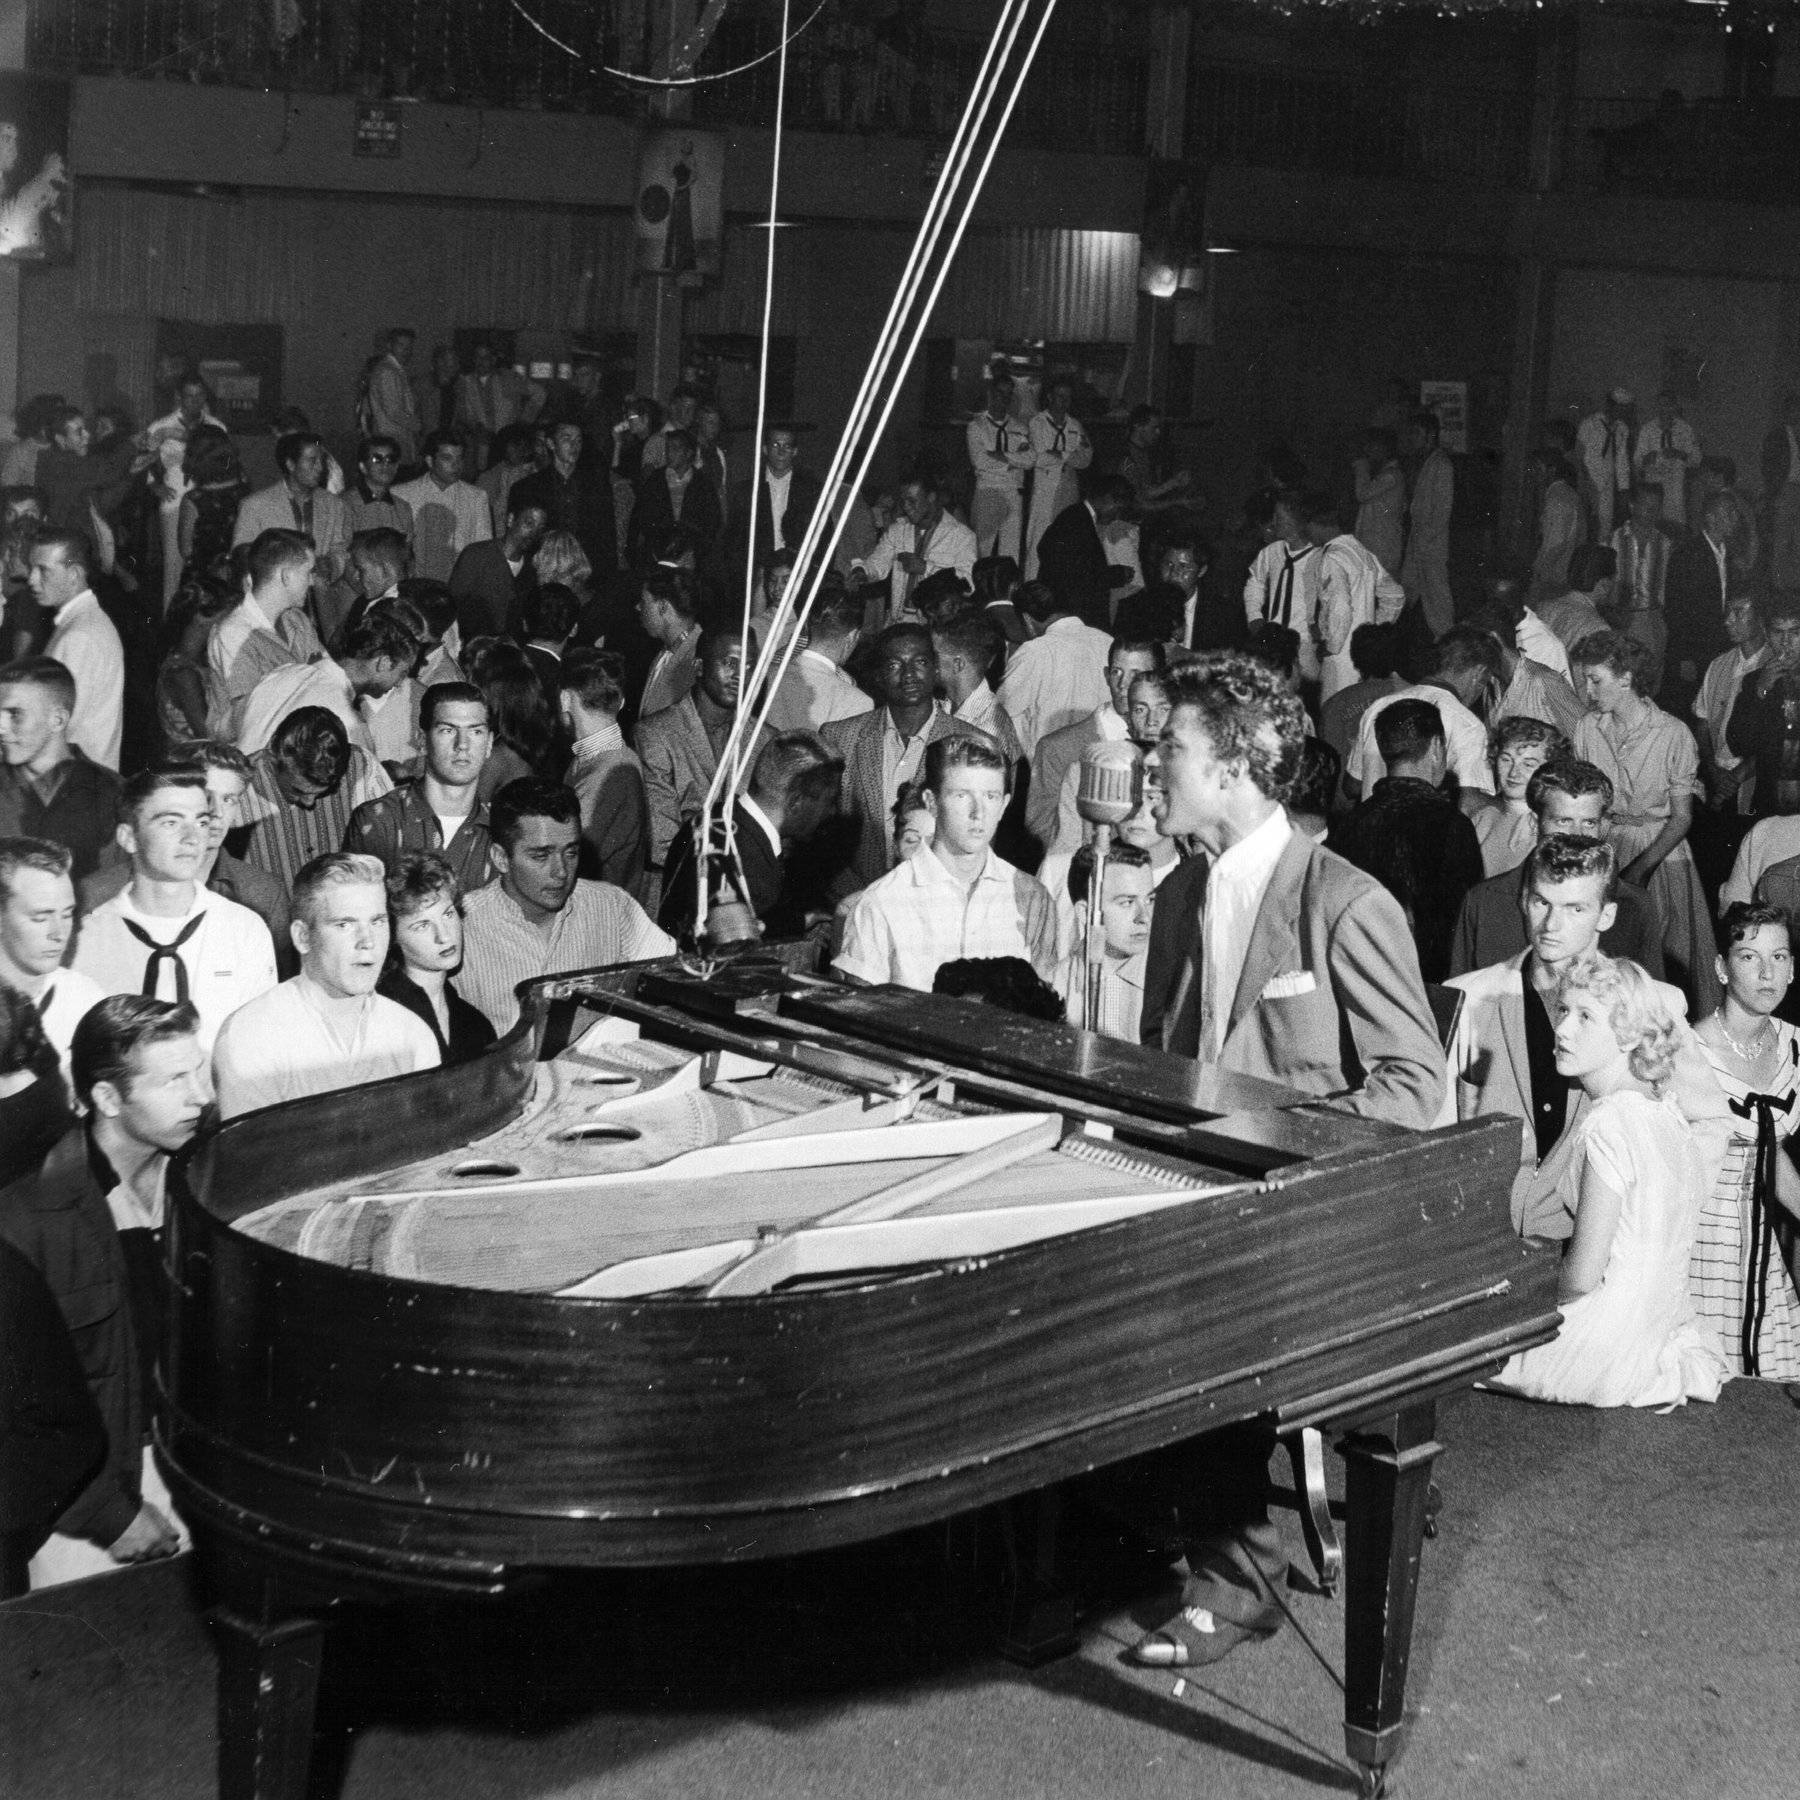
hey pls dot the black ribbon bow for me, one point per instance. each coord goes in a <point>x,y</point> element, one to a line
<point>1763,1214</point>
<point>161,953</point>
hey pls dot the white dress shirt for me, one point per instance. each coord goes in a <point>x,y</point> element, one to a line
<point>1055,680</point>
<point>949,545</point>
<point>84,641</point>
<point>63,999</point>
<point>229,959</point>
<point>1235,886</point>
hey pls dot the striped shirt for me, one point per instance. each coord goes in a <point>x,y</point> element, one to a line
<point>601,925</point>
<point>284,836</point>
<point>904,927</point>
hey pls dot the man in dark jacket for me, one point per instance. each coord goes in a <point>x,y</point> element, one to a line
<point>576,496</point>
<point>1072,557</point>
<point>1410,836</point>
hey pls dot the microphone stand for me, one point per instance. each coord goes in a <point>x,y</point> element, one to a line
<point>1094,938</point>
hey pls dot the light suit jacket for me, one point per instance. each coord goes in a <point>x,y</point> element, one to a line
<point>1330,1000</point>
<point>864,796</point>
<point>678,769</point>
<point>1490,1072</point>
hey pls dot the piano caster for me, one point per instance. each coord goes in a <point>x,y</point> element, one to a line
<point>1371,1782</point>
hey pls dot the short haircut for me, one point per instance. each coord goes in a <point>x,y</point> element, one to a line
<point>1589,565</point>
<point>1464,650</point>
<point>1568,775</point>
<point>420,879</point>
<point>1276,647</point>
<point>798,765</point>
<point>380,441</point>
<point>60,418</point>
<point>312,742</point>
<point>1316,786</point>
<point>138,788</point>
<point>1248,715</point>
<point>719,633</point>
<point>1617,652</point>
<point>336,868</point>
<point>1375,651</point>
<point>1635,1009</point>
<point>963,752</point>
<point>114,1030</point>
<point>274,550</point>
<point>906,631</point>
<point>1406,730</point>
<point>1141,414</point>
<point>44,673</point>
<point>432,601</point>
<point>378,636</point>
<point>594,677</point>
<point>1154,648</point>
<point>941,595</point>
<point>835,614</point>
<point>292,445</point>
<point>1555,859</point>
<point>1186,538</point>
<point>1744,918</point>
<point>1520,732</point>
<point>450,693</point>
<point>530,797</point>
<point>440,440</point>
<point>76,546</point>
<point>213,753</point>
<point>1035,599</point>
<point>21,853</point>
<point>1008,983</point>
<point>550,611</point>
<point>677,588</point>
<point>1081,867</point>
<point>1782,603</point>
<point>972,636</point>
<point>384,543</point>
<point>995,579</point>
<point>910,799</point>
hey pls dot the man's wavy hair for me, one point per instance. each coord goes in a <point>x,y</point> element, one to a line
<point>1249,717</point>
<point>1641,1024</point>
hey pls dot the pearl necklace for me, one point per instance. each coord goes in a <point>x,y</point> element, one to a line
<point>1748,1056</point>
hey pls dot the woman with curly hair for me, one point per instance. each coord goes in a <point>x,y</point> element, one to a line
<point>1505,826</point>
<point>1654,765</point>
<point>1629,1335</point>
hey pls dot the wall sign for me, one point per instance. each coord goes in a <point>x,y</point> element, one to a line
<point>1450,401</point>
<point>377,129</point>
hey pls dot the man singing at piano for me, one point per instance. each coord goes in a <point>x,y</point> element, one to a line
<point>1269,956</point>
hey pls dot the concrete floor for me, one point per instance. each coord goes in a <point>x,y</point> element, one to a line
<point>1610,1608</point>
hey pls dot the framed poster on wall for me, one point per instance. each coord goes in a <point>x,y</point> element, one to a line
<point>37,201</point>
<point>240,363</point>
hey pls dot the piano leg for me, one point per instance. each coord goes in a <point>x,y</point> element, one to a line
<point>1387,1477</point>
<point>269,1659</point>
<point>1037,1618</point>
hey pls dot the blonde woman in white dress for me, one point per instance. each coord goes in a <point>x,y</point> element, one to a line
<point>1629,1335</point>
<point>1738,1277</point>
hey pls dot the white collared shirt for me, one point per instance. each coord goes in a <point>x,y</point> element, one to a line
<point>86,643</point>
<point>1235,886</point>
<point>596,743</point>
<point>1465,737</point>
<point>1055,680</point>
<point>229,960</point>
<point>779,486</point>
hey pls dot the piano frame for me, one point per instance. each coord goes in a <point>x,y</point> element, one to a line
<point>331,1434</point>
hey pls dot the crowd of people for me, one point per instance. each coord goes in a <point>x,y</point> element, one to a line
<point>302,781</point>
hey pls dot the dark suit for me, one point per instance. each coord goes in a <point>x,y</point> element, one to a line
<point>1491,926</point>
<point>583,504</point>
<point>1072,560</point>
<point>866,807</point>
<point>804,489</point>
<point>653,516</point>
<point>761,868</point>
<point>487,593</point>
<point>1694,604</point>
<point>1330,1000</point>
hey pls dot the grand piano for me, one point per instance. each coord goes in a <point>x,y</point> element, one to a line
<point>712,1263</point>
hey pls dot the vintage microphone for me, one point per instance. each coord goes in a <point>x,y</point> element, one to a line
<point>1110,788</point>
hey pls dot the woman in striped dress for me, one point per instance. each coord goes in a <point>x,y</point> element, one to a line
<point>1738,1276</point>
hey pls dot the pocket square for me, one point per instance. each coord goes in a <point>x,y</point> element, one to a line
<point>1290,987</point>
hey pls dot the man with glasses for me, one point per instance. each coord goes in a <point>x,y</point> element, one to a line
<point>370,499</point>
<point>165,935</point>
